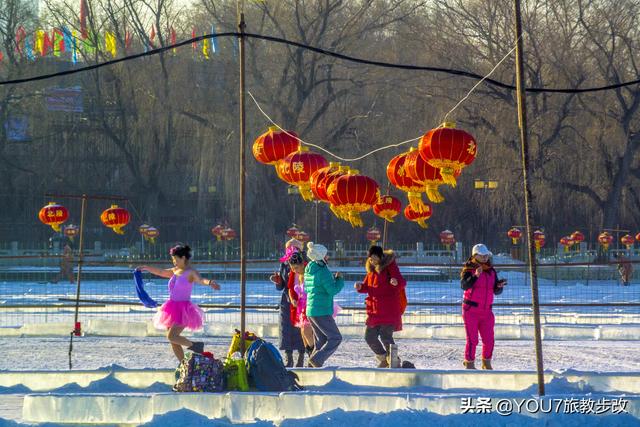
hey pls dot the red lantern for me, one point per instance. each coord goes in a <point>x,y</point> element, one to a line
<point>151,234</point>
<point>577,237</point>
<point>115,218</point>
<point>71,231</point>
<point>275,145</point>
<point>387,207</point>
<point>423,173</point>
<point>638,237</point>
<point>318,177</point>
<point>539,239</point>
<point>142,229</point>
<point>447,238</point>
<point>398,177</point>
<point>297,168</point>
<point>605,239</point>
<point>514,234</point>
<point>303,236</point>
<point>228,234</point>
<point>373,235</point>
<point>627,240</point>
<point>322,183</point>
<point>449,150</point>
<point>292,231</point>
<point>353,194</point>
<point>217,232</point>
<point>53,215</point>
<point>566,242</point>
<point>418,217</point>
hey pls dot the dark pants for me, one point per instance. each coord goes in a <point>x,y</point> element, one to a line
<point>327,338</point>
<point>385,332</point>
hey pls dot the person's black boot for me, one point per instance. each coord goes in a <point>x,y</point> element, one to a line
<point>289,359</point>
<point>196,347</point>
<point>309,349</point>
<point>300,362</point>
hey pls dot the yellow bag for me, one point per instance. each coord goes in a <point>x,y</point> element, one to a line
<point>236,374</point>
<point>249,338</point>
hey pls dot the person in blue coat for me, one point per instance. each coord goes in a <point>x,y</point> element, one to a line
<point>290,336</point>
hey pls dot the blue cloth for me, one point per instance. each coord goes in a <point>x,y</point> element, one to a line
<point>146,300</point>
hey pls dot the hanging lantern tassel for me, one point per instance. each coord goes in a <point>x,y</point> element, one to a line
<point>415,200</point>
<point>306,193</point>
<point>433,194</point>
<point>355,220</point>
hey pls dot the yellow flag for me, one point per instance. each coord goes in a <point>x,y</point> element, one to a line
<point>39,45</point>
<point>205,48</point>
<point>110,43</point>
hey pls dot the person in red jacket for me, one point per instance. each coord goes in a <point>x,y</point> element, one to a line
<point>385,303</point>
<point>480,282</point>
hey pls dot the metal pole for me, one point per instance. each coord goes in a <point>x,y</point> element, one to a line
<point>384,234</point>
<point>243,259</point>
<point>317,202</point>
<point>528,199</point>
<point>76,324</point>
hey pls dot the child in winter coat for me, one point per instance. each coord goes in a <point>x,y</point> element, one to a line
<point>385,303</point>
<point>321,286</point>
<point>480,283</point>
<point>290,338</point>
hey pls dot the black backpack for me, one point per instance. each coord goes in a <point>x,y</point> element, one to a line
<point>266,369</point>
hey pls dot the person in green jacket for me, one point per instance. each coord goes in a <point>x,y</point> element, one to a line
<point>321,286</point>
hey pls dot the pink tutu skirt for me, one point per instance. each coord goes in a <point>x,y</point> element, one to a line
<point>181,313</point>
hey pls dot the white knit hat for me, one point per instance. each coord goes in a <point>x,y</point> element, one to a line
<point>480,249</point>
<point>316,252</point>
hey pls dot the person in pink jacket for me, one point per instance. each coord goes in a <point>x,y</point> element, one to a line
<point>480,283</point>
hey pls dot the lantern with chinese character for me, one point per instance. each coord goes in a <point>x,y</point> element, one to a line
<point>115,218</point>
<point>387,207</point>
<point>217,232</point>
<point>317,178</point>
<point>398,177</point>
<point>297,168</point>
<point>353,194</point>
<point>423,173</point>
<point>449,150</point>
<point>605,239</point>
<point>447,238</point>
<point>373,235</point>
<point>275,145</point>
<point>627,240</point>
<point>71,231</point>
<point>293,231</point>
<point>53,215</point>
<point>152,234</point>
<point>303,236</point>
<point>228,234</point>
<point>514,234</point>
<point>566,242</point>
<point>539,239</point>
<point>577,237</point>
<point>419,218</point>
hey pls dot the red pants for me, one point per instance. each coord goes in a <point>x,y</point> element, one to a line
<point>482,321</point>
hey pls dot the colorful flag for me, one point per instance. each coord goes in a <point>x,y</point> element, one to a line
<point>174,38</point>
<point>110,43</point>
<point>194,45</point>
<point>83,18</point>
<point>58,42</point>
<point>74,47</point>
<point>214,44</point>
<point>205,48</point>
<point>39,43</point>
<point>21,35</point>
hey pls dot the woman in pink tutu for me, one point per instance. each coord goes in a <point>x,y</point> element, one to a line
<point>179,313</point>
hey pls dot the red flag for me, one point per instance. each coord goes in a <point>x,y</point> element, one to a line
<point>194,45</point>
<point>21,34</point>
<point>152,36</point>
<point>83,18</point>
<point>174,38</point>
<point>127,40</point>
<point>47,44</point>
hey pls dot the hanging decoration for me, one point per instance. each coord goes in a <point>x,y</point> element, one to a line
<point>448,149</point>
<point>539,239</point>
<point>398,178</point>
<point>296,169</point>
<point>303,236</point>
<point>514,234</point>
<point>320,182</point>
<point>53,215</point>
<point>605,239</point>
<point>71,231</point>
<point>419,217</point>
<point>638,237</point>
<point>142,229</point>
<point>274,145</point>
<point>115,218</point>
<point>387,207</point>
<point>423,173</point>
<point>447,238</point>
<point>293,231</point>
<point>627,240</point>
<point>566,242</point>
<point>228,234</point>
<point>577,237</point>
<point>218,231</point>
<point>353,194</point>
<point>151,235</point>
<point>373,235</point>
